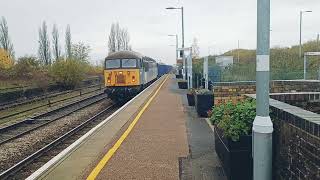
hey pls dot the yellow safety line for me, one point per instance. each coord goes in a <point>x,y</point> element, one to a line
<point>95,172</point>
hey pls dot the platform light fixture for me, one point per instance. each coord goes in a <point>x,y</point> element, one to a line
<point>300,42</point>
<point>183,57</point>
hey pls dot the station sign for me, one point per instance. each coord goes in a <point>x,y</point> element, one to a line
<point>312,54</point>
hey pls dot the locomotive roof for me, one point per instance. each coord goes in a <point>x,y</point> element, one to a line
<point>128,55</point>
<point>124,54</point>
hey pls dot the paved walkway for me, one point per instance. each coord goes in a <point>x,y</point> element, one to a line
<point>153,148</point>
<point>203,160</point>
<point>169,141</point>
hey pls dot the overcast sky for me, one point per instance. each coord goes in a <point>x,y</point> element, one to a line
<point>217,24</point>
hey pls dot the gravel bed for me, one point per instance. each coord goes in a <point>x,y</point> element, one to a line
<point>14,151</point>
<point>39,111</point>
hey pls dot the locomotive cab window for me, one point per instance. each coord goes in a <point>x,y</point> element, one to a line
<point>129,63</point>
<point>112,64</point>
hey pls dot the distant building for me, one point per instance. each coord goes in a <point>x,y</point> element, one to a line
<point>224,61</point>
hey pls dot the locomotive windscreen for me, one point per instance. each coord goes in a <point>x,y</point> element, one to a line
<point>129,63</point>
<point>112,64</point>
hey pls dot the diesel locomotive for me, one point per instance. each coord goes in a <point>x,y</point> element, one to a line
<point>127,73</point>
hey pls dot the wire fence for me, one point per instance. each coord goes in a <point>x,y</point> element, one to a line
<point>249,74</point>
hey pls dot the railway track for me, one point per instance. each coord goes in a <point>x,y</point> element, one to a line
<point>19,129</point>
<point>47,96</point>
<point>31,163</point>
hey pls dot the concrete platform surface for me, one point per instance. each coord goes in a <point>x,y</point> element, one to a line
<point>77,163</point>
<point>153,148</point>
<point>169,141</point>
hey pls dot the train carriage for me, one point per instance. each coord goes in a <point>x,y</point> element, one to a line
<point>127,73</point>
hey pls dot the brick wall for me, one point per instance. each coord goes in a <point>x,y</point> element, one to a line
<point>234,91</point>
<point>296,142</point>
<point>280,85</point>
<point>296,137</point>
<point>296,154</point>
<point>307,100</point>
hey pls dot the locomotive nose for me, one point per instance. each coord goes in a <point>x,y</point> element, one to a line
<point>120,78</point>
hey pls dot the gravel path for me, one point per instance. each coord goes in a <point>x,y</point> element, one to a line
<point>13,152</point>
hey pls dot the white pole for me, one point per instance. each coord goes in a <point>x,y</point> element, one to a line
<point>205,71</point>
<point>305,67</point>
<point>189,71</point>
<point>262,125</point>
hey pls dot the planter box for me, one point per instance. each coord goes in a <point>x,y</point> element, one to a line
<point>183,85</point>
<point>191,101</point>
<point>203,103</point>
<point>236,157</point>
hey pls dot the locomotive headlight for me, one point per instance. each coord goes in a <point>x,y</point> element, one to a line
<point>133,79</point>
<point>109,78</point>
<point>120,72</point>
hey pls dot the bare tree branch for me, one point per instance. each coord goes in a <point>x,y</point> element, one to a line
<point>44,45</point>
<point>5,41</point>
<point>112,39</point>
<point>68,43</point>
<point>80,52</point>
<point>55,40</point>
<point>119,39</point>
<point>195,48</point>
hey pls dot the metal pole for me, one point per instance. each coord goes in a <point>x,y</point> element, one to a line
<point>238,51</point>
<point>318,47</point>
<point>318,41</point>
<point>305,67</point>
<point>205,71</point>
<point>319,73</point>
<point>300,46</point>
<point>177,46</point>
<point>189,78</point>
<point>183,56</point>
<point>262,125</point>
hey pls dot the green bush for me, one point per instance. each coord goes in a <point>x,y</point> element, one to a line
<point>26,67</point>
<point>68,73</point>
<point>234,119</point>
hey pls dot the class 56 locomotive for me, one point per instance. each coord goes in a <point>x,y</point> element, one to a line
<point>127,73</point>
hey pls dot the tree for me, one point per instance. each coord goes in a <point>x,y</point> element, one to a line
<point>195,48</point>
<point>5,41</point>
<point>119,39</point>
<point>55,43</point>
<point>26,67</point>
<point>68,43</point>
<point>124,39</point>
<point>112,39</point>
<point>68,73</point>
<point>80,52</point>
<point>5,60</point>
<point>44,45</point>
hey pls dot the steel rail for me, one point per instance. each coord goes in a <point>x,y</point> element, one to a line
<point>40,106</point>
<point>18,166</point>
<point>45,122</point>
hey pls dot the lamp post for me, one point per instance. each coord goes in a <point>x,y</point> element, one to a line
<point>209,49</point>
<point>262,125</point>
<point>183,57</point>
<point>177,55</point>
<point>238,51</point>
<point>300,47</point>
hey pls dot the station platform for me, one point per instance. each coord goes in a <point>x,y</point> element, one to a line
<point>154,136</point>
